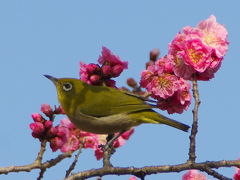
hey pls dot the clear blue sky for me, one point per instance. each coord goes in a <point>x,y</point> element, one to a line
<point>52,37</point>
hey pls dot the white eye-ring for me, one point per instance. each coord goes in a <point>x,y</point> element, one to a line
<point>67,86</point>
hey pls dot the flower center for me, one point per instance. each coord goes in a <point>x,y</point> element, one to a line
<point>194,55</point>
<point>164,83</point>
<point>210,39</point>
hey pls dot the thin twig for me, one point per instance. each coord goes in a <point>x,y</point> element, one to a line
<point>42,171</point>
<point>41,152</point>
<point>215,174</point>
<point>192,149</point>
<point>35,165</point>
<point>72,166</point>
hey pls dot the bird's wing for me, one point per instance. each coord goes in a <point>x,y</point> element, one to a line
<point>100,101</point>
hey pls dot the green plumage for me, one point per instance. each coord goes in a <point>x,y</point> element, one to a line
<point>105,110</point>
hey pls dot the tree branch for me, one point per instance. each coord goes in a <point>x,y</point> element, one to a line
<point>149,170</point>
<point>35,165</point>
<point>194,130</point>
<point>215,174</point>
<point>72,166</point>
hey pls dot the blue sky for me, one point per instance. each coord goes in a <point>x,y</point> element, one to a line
<point>52,37</point>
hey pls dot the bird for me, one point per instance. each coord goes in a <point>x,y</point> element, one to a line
<point>106,110</point>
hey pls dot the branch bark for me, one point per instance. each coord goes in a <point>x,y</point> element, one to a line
<point>149,170</point>
<point>194,130</point>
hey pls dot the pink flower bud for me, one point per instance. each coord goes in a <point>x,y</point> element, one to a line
<point>37,128</point>
<point>95,79</point>
<point>133,178</point>
<point>90,142</point>
<point>119,142</point>
<point>99,153</point>
<point>52,132</point>
<point>116,70</point>
<point>110,83</point>
<point>47,110</point>
<point>236,176</point>
<point>149,63</point>
<point>194,174</point>
<point>48,124</point>
<point>127,134</point>
<point>106,70</point>
<point>131,82</point>
<point>93,68</point>
<point>37,117</point>
<point>56,143</point>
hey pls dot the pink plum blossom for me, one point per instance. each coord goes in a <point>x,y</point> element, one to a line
<point>171,91</point>
<point>126,135</point>
<point>119,142</point>
<point>37,117</point>
<point>47,110</point>
<point>71,144</point>
<point>197,55</point>
<point>236,176</point>
<point>67,137</point>
<point>98,153</point>
<point>199,50</point>
<point>91,141</point>
<point>132,178</point>
<point>37,129</point>
<point>111,67</point>
<point>194,175</point>
<point>56,143</point>
<point>214,35</point>
<point>108,57</point>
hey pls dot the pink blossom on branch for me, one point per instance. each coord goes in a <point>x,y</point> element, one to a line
<point>172,92</point>
<point>132,178</point>
<point>236,176</point>
<point>199,50</point>
<point>67,137</point>
<point>47,110</point>
<point>214,35</point>
<point>194,175</point>
<point>111,67</point>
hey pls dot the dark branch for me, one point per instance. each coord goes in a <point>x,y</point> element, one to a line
<point>192,149</point>
<point>215,174</point>
<point>149,170</point>
<point>71,168</point>
<point>35,165</point>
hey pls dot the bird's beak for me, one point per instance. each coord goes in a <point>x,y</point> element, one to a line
<point>53,79</point>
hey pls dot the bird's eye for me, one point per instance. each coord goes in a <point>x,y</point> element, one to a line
<point>67,86</point>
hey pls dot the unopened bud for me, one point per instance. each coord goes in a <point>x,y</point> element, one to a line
<point>106,70</point>
<point>131,82</point>
<point>110,83</point>
<point>154,54</point>
<point>93,68</point>
<point>116,70</point>
<point>95,79</point>
<point>149,63</point>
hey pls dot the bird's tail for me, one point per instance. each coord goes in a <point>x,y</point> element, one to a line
<point>173,123</point>
<point>151,116</point>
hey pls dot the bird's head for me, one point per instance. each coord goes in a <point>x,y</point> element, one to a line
<point>68,90</point>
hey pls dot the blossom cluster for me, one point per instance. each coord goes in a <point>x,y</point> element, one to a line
<point>199,50</point>
<point>66,136</point>
<point>194,52</point>
<point>171,91</point>
<point>110,66</point>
